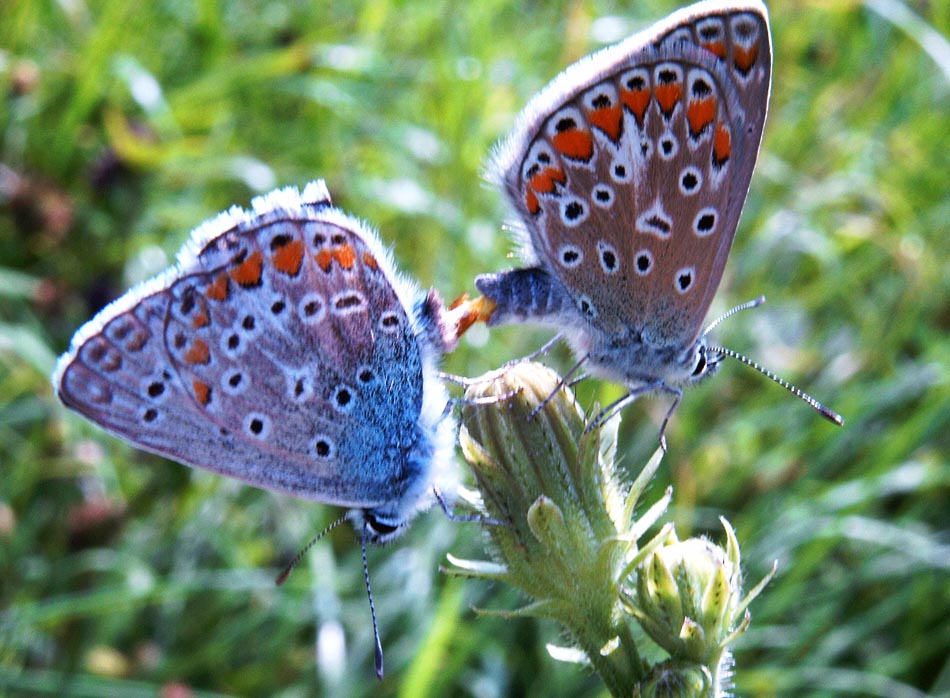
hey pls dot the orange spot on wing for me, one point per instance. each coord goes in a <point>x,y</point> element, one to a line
<point>722,145</point>
<point>324,259</point>
<point>637,102</point>
<point>198,353</point>
<point>531,202</point>
<point>202,391</point>
<point>111,362</point>
<point>201,319</point>
<point>700,114</point>
<point>608,119</point>
<point>716,47</point>
<point>218,289</point>
<point>667,95</point>
<point>137,341</point>
<point>345,255</point>
<point>370,261</point>
<point>545,181</point>
<point>248,272</point>
<point>575,144</point>
<point>287,259</point>
<point>745,58</point>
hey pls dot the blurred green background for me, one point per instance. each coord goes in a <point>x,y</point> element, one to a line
<point>124,125</point>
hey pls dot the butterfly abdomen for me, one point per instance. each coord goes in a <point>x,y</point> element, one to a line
<point>525,294</point>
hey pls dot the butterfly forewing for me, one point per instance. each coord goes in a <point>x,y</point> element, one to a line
<point>270,356</point>
<point>631,169</point>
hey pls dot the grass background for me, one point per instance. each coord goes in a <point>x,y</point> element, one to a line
<point>123,125</point>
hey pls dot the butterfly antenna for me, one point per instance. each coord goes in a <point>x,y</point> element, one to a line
<point>372,609</point>
<point>732,311</point>
<point>825,412</point>
<point>306,549</point>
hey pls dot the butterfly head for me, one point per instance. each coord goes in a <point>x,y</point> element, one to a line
<point>379,526</point>
<point>705,362</point>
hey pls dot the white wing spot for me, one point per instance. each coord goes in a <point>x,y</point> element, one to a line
<point>150,415</point>
<point>668,146</point>
<point>680,35</point>
<point>248,326</point>
<point>609,260</point>
<point>603,196</point>
<point>600,97</point>
<point>566,119</point>
<point>655,221</point>
<point>691,180</point>
<point>710,29</point>
<point>643,262</point>
<point>635,79</point>
<point>312,308</point>
<point>299,386</point>
<point>570,256</point>
<point>389,322</point>
<point>586,306</point>
<point>706,222</point>
<point>323,447</point>
<point>347,302</point>
<point>646,149</point>
<point>683,279</point>
<point>234,382</point>
<point>621,169</point>
<point>344,398</point>
<point>156,389</point>
<point>257,425</point>
<point>667,73</point>
<point>540,156</point>
<point>232,344</point>
<point>574,212</point>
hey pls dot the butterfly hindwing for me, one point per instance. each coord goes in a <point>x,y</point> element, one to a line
<point>630,170</point>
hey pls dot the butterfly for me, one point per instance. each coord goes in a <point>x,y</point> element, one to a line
<point>628,174</point>
<point>284,350</point>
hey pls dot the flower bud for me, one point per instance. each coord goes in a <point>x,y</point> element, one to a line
<point>675,679</point>
<point>689,598</point>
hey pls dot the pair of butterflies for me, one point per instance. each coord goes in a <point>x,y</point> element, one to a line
<point>285,350</point>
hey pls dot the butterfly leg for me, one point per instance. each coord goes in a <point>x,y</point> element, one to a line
<point>468,382</point>
<point>565,380</point>
<point>677,394</point>
<point>464,518</point>
<point>616,406</point>
<point>577,379</point>
<point>543,351</point>
<point>491,375</point>
<point>485,399</point>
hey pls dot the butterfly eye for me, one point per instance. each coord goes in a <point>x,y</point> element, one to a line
<point>700,367</point>
<point>381,530</point>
